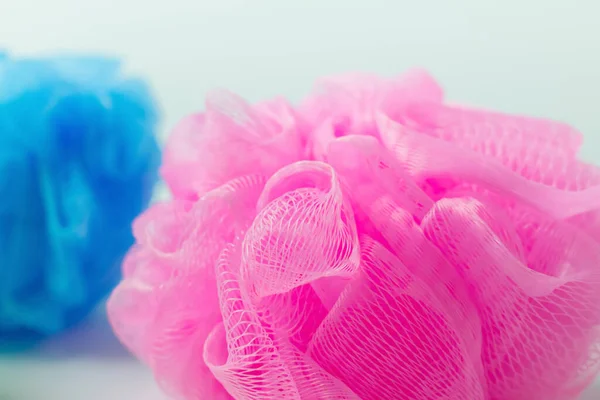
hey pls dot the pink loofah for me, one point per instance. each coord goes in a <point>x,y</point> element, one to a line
<point>371,244</point>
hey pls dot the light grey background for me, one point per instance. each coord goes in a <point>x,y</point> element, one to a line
<point>538,57</point>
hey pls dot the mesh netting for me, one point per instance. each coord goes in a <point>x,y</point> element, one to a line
<point>371,244</point>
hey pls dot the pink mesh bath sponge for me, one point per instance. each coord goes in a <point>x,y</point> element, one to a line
<point>373,243</point>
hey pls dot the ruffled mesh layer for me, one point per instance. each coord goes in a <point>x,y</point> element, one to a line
<point>372,243</point>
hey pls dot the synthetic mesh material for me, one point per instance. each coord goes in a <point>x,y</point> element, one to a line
<point>372,243</point>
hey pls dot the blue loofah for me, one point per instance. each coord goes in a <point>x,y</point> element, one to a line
<point>78,160</point>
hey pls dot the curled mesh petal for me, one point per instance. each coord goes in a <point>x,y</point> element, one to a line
<point>352,101</point>
<point>208,146</point>
<point>392,320</point>
<point>304,232</point>
<point>538,328</point>
<point>431,157</point>
<point>170,288</point>
<point>250,354</point>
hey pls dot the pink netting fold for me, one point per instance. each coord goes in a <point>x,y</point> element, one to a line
<point>372,243</point>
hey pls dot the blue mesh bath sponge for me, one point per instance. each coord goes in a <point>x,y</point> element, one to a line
<point>78,160</point>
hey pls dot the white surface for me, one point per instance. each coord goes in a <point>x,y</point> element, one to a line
<point>85,364</point>
<point>89,364</point>
<point>538,57</point>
